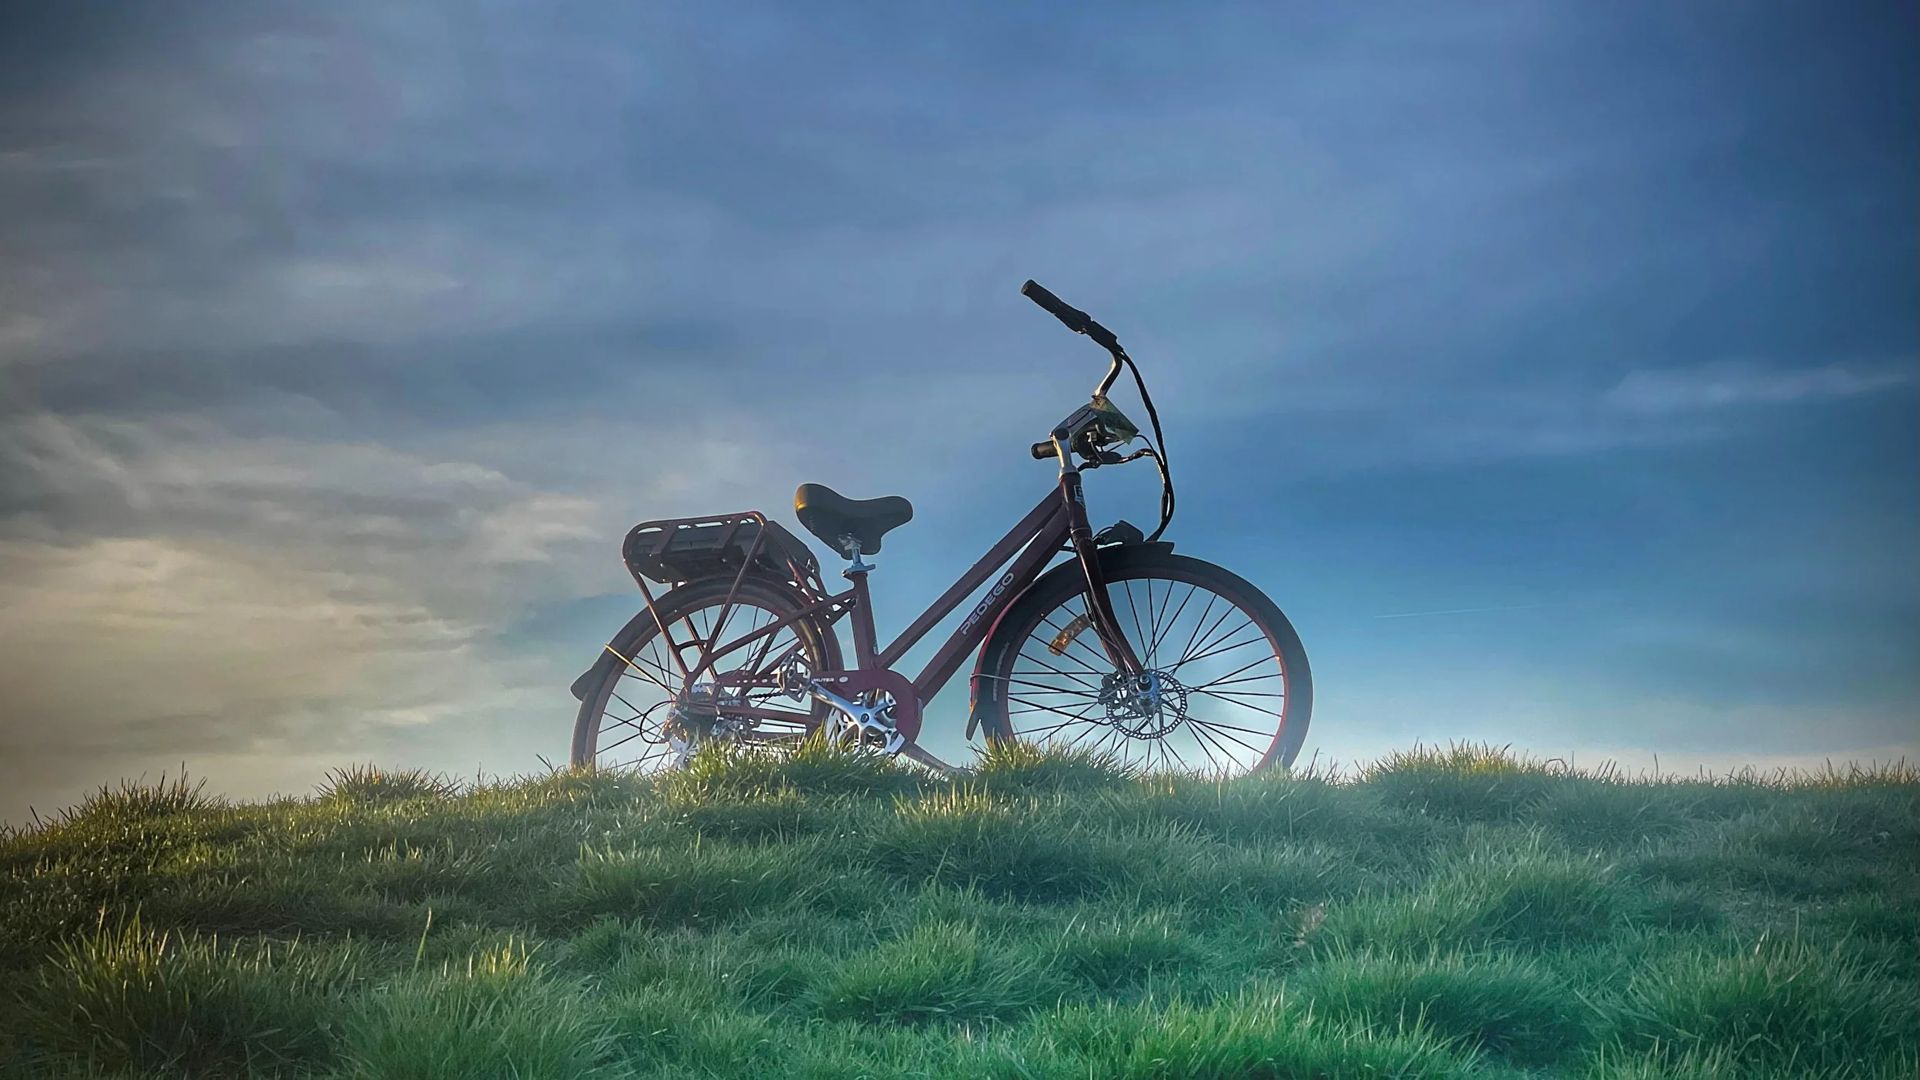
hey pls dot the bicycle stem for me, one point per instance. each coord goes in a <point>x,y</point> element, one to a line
<point>1113,374</point>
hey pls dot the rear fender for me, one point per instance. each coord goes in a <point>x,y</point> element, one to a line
<point>977,685</point>
<point>607,661</point>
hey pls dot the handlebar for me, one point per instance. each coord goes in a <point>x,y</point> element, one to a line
<point>1081,323</point>
<point>1076,320</point>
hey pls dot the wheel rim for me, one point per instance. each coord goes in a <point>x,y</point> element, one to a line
<point>648,717</point>
<point>1218,693</point>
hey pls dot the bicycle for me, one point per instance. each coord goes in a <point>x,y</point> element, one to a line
<point>743,647</point>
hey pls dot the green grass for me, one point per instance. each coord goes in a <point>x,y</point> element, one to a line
<point>1455,912</point>
<point>127,997</point>
<point>939,973</point>
<point>372,784</point>
<point>1513,1008</point>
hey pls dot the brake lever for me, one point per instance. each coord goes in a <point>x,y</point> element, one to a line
<point>1109,457</point>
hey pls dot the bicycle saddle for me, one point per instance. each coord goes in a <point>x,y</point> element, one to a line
<point>830,515</point>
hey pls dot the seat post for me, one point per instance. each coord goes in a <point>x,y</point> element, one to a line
<point>864,646</point>
<point>857,568</point>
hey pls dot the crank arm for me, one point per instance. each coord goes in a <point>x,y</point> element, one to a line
<point>864,718</point>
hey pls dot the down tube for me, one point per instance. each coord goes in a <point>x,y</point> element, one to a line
<point>1021,574</point>
<point>1040,519</point>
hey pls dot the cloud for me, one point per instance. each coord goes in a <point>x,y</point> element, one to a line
<point>113,634</point>
<point>72,478</point>
<point>1734,384</point>
<point>168,587</point>
<point>1343,423</point>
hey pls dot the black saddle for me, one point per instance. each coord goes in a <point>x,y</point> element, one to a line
<point>831,516</point>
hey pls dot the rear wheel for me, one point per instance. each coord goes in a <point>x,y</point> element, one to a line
<point>642,713</point>
<point>1226,688</point>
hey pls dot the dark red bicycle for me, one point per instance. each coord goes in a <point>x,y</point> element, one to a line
<point>1125,649</point>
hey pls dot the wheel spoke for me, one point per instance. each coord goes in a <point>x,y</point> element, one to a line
<point>1153,616</point>
<point>1036,704</point>
<point>1153,647</point>
<point>1240,704</point>
<point>1111,731</point>
<point>1235,682</point>
<point>1136,611</point>
<point>1053,689</point>
<point>1217,725</point>
<point>1238,693</point>
<point>1206,635</point>
<point>1167,747</point>
<point>1194,635</point>
<point>1067,674</point>
<point>634,668</point>
<point>1215,729</point>
<point>1229,676</point>
<point>1259,638</point>
<point>1213,643</point>
<point>1043,708</point>
<point>780,661</point>
<point>1079,718</point>
<point>766,646</point>
<point>1202,744</point>
<point>637,734</point>
<point>1203,736</point>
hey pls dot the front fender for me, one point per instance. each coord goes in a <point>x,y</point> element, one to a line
<point>1070,568</point>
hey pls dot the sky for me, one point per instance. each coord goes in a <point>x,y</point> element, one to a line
<point>1553,366</point>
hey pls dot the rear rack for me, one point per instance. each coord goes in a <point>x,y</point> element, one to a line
<point>679,550</point>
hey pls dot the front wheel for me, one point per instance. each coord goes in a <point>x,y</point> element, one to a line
<point>1226,689</point>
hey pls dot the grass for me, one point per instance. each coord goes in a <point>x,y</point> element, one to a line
<point>939,973</point>
<point>495,1016</point>
<point>372,784</point>
<point>1513,1008</point>
<point>128,997</point>
<point>1451,912</point>
<point>1775,1006</point>
<point>136,801</point>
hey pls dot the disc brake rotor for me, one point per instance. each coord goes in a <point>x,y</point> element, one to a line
<point>1151,705</point>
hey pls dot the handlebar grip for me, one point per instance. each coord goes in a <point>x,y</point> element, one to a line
<point>1043,450</point>
<point>1076,320</point>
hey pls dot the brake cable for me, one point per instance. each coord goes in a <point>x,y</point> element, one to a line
<point>1080,323</point>
<point>1156,448</point>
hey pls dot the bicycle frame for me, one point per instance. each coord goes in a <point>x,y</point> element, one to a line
<point>1057,523</point>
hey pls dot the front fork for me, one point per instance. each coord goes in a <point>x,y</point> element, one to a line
<point>1099,604</point>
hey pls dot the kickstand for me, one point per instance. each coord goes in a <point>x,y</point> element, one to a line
<point>913,750</point>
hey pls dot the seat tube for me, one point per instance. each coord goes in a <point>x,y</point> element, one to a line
<point>864,649</point>
<point>1099,604</point>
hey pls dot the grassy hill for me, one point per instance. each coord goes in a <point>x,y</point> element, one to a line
<point>1446,913</point>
